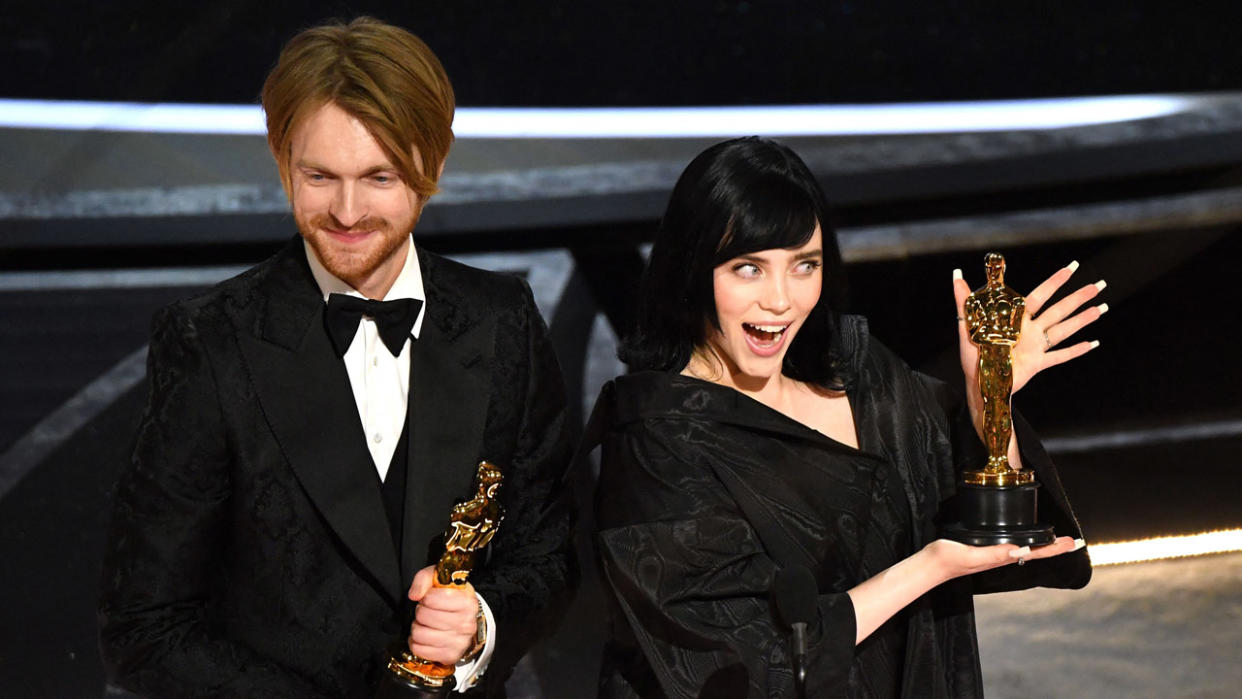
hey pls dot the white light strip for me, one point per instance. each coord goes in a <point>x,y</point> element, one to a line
<point>56,280</point>
<point>637,122</point>
<point>1166,547</point>
<point>813,120</point>
<point>1128,439</point>
<point>239,119</point>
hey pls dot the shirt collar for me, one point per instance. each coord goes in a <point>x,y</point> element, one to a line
<point>409,283</point>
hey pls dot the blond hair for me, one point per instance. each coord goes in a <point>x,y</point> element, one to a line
<point>383,76</point>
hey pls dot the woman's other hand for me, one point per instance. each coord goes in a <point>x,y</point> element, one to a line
<point>953,559</point>
<point>1042,332</point>
<point>878,598</point>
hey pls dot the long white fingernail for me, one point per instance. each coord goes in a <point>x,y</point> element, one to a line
<point>1020,553</point>
<point>1103,308</point>
<point>1079,544</point>
<point>1101,284</point>
<point>1095,343</point>
<point>1073,266</point>
<point>957,274</point>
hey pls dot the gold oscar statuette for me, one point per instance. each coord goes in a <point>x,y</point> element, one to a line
<point>994,323</point>
<point>472,524</point>
<point>997,503</point>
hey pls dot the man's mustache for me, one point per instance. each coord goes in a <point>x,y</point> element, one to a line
<point>369,223</point>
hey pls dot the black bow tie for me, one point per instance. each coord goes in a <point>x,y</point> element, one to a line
<point>394,319</point>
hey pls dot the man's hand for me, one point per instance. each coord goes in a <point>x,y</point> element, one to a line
<point>445,620</point>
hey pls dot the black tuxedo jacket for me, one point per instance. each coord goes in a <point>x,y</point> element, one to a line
<point>249,553</point>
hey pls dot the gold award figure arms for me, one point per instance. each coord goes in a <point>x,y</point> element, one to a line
<point>472,524</point>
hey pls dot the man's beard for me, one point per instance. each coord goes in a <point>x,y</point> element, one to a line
<point>353,266</point>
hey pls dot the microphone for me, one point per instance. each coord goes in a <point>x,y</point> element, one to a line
<point>794,591</point>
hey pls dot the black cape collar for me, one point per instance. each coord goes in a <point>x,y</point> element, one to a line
<point>663,395</point>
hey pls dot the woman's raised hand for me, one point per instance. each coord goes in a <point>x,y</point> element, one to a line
<point>1043,329</point>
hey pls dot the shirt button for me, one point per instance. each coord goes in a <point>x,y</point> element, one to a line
<point>378,438</point>
<point>374,361</point>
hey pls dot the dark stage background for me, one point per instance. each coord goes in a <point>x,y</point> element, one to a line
<point>99,229</point>
<point>698,52</point>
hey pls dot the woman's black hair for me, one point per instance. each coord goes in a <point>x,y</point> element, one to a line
<point>737,197</point>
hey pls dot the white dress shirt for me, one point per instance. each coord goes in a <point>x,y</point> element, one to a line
<point>381,386</point>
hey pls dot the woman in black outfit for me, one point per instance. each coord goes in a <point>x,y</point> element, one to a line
<point>762,430</point>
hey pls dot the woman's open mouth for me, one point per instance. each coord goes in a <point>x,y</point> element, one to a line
<point>765,340</point>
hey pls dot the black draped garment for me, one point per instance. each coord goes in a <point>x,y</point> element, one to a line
<point>704,493</point>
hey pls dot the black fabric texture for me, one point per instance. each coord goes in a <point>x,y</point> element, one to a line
<point>689,567</point>
<point>393,486</point>
<point>250,553</point>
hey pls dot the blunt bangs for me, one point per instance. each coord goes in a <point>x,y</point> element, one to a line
<point>772,213</point>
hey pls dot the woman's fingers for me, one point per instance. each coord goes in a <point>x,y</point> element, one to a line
<point>965,347</point>
<point>1062,544</point>
<point>960,291</point>
<point>1064,330</point>
<point>1062,309</point>
<point>1040,295</point>
<point>959,559</point>
<point>1072,352</point>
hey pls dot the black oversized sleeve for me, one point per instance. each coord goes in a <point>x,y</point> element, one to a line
<point>167,532</point>
<point>530,571</point>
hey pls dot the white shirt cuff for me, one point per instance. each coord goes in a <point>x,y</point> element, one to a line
<point>468,672</point>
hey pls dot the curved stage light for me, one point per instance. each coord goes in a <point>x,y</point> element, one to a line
<point>637,122</point>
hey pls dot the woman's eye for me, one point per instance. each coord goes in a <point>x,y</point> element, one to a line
<point>746,269</point>
<point>808,266</point>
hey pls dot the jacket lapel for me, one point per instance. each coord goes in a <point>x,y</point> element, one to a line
<point>304,392</point>
<point>450,390</point>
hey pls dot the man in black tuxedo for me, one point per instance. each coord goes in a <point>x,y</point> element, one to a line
<point>303,444</point>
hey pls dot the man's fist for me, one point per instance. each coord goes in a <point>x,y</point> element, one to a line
<point>445,621</point>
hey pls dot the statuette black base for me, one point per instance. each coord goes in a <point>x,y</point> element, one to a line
<point>998,514</point>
